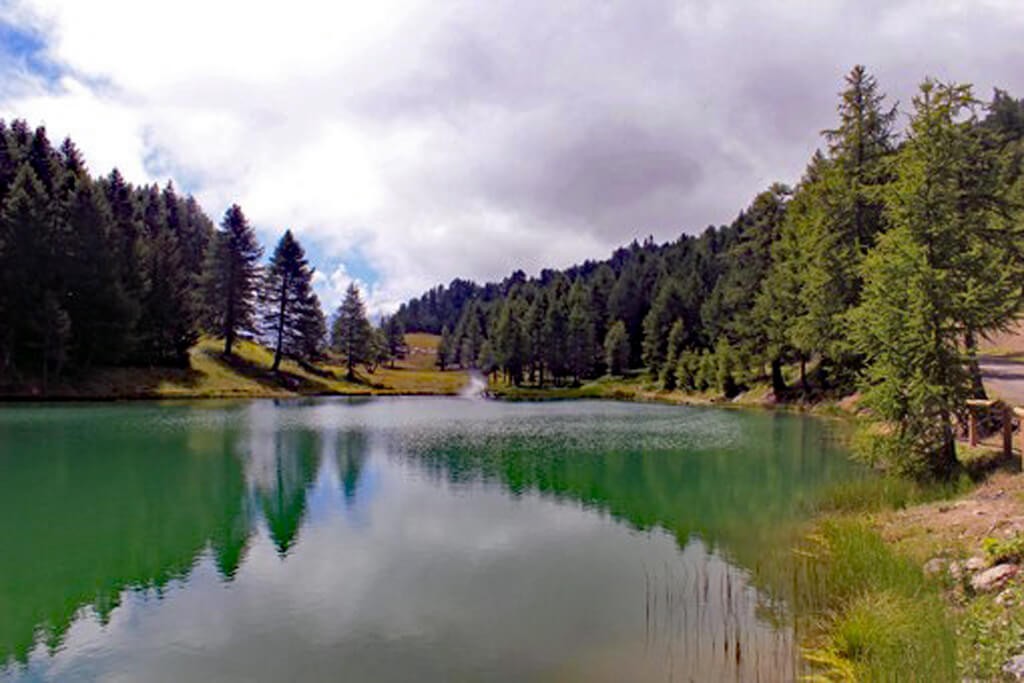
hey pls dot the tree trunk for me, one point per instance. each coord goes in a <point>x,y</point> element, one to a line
<point>944,463</point>
<point>803,373</point>
<point>229,318</point>
<point>350,364</point>
<point>778,381</point>
<point>280,324</point>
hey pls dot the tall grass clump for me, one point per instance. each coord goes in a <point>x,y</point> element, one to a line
<point>876,616</point>
<point>887,492</point>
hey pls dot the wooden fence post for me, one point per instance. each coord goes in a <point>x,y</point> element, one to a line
<point>1007,431</point>
<point>1019,412</point>
<point>972,427</point>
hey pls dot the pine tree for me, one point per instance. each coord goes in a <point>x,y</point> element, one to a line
<point>351,332</point>
<point>669,306</point>
<point>126,235</point>
<point>581,344</point>
<point>511,343</point>
<point>601,284</point>
<point>674,348</point>
<point>730,308</point>
<point>626,304</point>
<point>843,214</point>
<point>616,348</point>
<point>532,329</point>
<point>487,362</point>
<point>101,314</point>
<point>27,302</point>
<point>556,331</point>
<point>290,313</point>
<point>395,335</point>
<point>312,331</point>
<point>167,323</point>
<point>944,259</point>
<point>378,349</point>
<point>445,352</point>
<point>231,275</point>
<point>43,160</point>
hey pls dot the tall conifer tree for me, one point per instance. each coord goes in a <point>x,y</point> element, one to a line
<point>230,279</point>
<point>291,312</point>
<point>351,332</point>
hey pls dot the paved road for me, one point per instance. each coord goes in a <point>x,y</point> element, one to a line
<point>1004,377</point>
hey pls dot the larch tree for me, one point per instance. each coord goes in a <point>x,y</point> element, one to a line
<point>351,333</point>
<point>941,271</point>
<point>556,330</point>
<point>616,348</point>
<point>291,315</point>
<point>840,218</point>
<point>581,344</point>
<point>445,350</point>
<point>668,307</point>
<point>231,276</point>
<point>394,332</point>
<point>511,341</point>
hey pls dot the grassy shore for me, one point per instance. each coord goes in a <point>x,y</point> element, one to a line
<point>866,608</point>
<point>247,374</point>
<point>876,575</point>
<point>641,389</point>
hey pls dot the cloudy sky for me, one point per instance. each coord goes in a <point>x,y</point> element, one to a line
<point>408,142</point>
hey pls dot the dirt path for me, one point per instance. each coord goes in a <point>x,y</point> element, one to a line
<point>994,509</point>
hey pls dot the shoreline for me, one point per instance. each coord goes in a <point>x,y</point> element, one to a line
<point>19,399</point>
<point>914,525</point>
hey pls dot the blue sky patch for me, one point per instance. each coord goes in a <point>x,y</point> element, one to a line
<point>24,50</point>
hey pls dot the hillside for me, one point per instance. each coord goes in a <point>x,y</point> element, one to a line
<point>248,375</point>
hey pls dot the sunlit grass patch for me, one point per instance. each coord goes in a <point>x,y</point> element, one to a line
<point>880,618</point>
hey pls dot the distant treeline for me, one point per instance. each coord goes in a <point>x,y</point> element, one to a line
<point>98,272</point>
<point>879,270</point>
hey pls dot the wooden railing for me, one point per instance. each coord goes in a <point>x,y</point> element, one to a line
<point>981,412</point>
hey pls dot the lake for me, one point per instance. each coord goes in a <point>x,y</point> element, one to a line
<point>397,539</point>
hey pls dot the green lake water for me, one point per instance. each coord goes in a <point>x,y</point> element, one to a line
<point>399,539</point>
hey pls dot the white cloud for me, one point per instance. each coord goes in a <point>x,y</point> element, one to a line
<point>435,140</point>
<point>331,286</point>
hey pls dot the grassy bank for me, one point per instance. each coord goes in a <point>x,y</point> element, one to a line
<point>642,389</point>
<point>247,374</point>
<point>879,579</point>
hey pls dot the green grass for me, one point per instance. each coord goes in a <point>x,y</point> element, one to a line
<point>877,616</point>
<point>990,633</point>
<point>878,493</point>
<point>247,374</point>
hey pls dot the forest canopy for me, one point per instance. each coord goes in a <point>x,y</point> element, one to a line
<point>877,271</point>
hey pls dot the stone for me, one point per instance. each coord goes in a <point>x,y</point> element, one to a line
<point>975,564</point>
<point>1005,599</point>
<point>934,566</point>
<point>1014,667</point>
<point>956,570</point>
<point>994,577</point>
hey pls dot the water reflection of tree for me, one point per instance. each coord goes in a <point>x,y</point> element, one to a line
<point>283,498</point>
<point>733,497</point>
<point>130,507</point>
<point>351,451</point>
<point>134,505</point>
